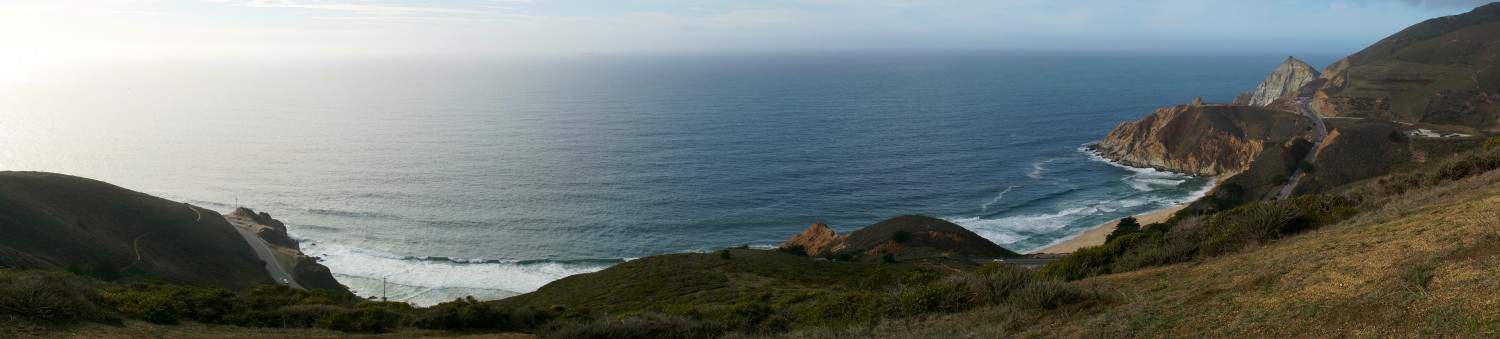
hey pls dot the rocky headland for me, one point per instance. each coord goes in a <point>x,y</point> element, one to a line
<point>1284,83</point>
<point>1200,139</point>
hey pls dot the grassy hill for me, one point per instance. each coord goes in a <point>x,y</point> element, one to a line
<point>1416,262</point>
<point>1441,71</point>
<point>60,222</point>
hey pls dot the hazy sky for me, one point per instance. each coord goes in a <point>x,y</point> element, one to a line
<point>36,32</point>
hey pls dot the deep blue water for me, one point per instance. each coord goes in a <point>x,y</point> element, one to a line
<point>546,168</point>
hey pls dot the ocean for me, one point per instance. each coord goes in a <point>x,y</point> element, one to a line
<point>492,177</point>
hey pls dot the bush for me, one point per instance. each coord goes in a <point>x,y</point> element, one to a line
<point>1268,220</point>
<point>921,275</point>
<point>797,250</point>
<point>1090,261</point>
<point>724,254</point>
<point>754,313</point>
<point>50,297</point>
<point>645,326</point>
<point>1492,144</point>
<point>993,284</point>
<point>464,314</point>
<point>844,309</point>
<point>934,297</point>
<point>170,304</point>
<point>299,316</point>
<point>368,320</point>
<point>1050,294</point>
<point>1127,225</point>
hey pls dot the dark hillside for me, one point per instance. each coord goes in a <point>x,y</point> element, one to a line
<point>61,222</point>
<point>1441,71</point>
<point>692,279</point>
<point>920,236</point>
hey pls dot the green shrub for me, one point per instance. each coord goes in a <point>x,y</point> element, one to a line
<point>369,320</point>
<point>888,258</point>
<point>1493,143</point>
<point>50,297</point>
<point>1416,276</point>
<point>644,326</point>
<point>754,313</point>
<point>298,316</point>
<point>797,250</point>
<point>1127,225</point>
<point>844,309</point>
<point>464,314</point>
<point>993,283</point>
<point>169,304</point>
<point>934,297</point>
<point>921,275</point>
<point>1268,220</point>
<point>1090,261</point>
<point>724,254</point>
<point>1050,294</point>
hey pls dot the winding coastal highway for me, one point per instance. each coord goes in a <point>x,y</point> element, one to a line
<point>1304,106</point>
<point>265,253</point>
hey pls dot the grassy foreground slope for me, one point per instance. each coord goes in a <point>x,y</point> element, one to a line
<point>1421,265</point>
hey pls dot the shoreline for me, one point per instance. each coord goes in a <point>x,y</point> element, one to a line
<point>1095,236</point>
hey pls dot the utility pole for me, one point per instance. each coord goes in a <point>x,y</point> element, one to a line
<point>382,289</point>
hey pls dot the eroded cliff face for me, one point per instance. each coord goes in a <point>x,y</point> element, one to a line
<point>1284,82</point>
<point>1208,140</point>
<point>816,240</point>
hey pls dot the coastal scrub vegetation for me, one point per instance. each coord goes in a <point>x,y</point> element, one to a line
<point>922,292</point>
<point>1187,237</point>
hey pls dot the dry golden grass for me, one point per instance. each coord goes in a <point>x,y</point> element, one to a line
<point>1424,267</point>
<point>136,329</point>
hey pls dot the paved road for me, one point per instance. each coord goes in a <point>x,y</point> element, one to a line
<point>1304,105</point>
<point>265,253</point>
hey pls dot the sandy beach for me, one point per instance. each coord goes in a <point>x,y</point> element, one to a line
<point>1095,236</point>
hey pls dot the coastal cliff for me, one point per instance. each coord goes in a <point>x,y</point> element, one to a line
<point>303,268</point>
<point>1207,140</point>
<point>1284,82</point>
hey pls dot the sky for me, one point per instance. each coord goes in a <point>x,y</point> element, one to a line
<point>38,32</point>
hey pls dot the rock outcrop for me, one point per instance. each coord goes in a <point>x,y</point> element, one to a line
<point>305,269</point>
<point>816,240</point>
<point>1283,83</point>
<point>1208,140</point>
<point>1441,71</point>
<point>270,229</point>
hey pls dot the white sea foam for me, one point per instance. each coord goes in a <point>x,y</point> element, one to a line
<point>1038,167</point>
<point>986,206</point>
<point>428,281</point>
<point>1010,230</point>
